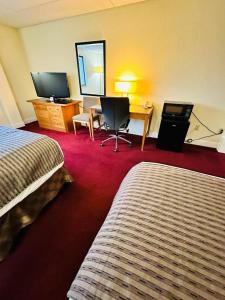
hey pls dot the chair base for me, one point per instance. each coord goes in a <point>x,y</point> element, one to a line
<point>115,137</point>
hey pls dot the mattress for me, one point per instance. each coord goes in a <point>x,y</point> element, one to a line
<point>164,238</point>
<point>27,160</point>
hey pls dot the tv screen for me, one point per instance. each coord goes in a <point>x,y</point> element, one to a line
<point>49,84</point>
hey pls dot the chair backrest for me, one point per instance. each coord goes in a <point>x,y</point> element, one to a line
<point>88,102</point>
<point>115,111</point>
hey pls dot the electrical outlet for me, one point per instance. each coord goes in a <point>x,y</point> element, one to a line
<point>196,127</point>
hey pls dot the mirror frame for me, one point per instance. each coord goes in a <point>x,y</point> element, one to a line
<point>104,61</point>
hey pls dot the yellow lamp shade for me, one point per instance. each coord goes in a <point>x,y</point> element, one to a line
<point>125,86</point>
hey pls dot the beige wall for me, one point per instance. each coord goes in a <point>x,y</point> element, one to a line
<point>14,62</point>
<point>9,113</point>
<point>176,49</point>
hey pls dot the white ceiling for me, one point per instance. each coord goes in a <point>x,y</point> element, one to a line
<point>22,13</point>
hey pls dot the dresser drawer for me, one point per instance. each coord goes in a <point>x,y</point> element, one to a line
<point>42,114</point>
<point>40,107</point>
<point>57,122</point>
<point>44,123</point>
<point>55,111</point>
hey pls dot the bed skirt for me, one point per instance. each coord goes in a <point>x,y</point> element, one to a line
<point>28,210</point>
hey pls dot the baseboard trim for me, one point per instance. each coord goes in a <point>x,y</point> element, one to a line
<point>153,135</point>
<point>203,143</point>
<point>17,125</point>
<point>30,120</point>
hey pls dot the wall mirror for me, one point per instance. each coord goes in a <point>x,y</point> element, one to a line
<point>91,67</point>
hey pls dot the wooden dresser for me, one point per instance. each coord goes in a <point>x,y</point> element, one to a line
<point>55,116</point>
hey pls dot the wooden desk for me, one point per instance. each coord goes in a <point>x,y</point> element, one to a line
<point>55,116</point>
<point>138,112</point>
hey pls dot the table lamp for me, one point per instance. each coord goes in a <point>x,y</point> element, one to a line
<point>125,87</point>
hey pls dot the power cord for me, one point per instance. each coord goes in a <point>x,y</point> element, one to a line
<point>203,137</point>
<point>204,124</point>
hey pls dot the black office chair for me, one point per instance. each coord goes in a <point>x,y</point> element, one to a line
<point>116,114</point>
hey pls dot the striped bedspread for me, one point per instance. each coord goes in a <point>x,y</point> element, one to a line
<point>24,158</point>
<point>164,238</point>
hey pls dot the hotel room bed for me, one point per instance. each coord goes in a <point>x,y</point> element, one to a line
<point>164,238</point>
<point>31,174</point>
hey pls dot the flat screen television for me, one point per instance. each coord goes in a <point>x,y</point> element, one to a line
<point>49,84</point>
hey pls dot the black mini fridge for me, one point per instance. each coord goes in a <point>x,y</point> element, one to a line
<point>172,134</point>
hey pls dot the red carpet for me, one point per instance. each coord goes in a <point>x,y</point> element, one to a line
<point>49,253</point>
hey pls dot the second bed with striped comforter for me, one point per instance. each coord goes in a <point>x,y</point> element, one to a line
<point>164,238</point>
<point>24,158</point>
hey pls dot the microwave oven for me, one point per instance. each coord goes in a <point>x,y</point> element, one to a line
<point>177,110</point>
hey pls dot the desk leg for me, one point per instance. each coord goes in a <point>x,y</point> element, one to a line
<point>147,122</point>
<point>92,124</point>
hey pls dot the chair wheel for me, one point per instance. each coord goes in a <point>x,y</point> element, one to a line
<point>130,145</point>
<point>115,150</point>
<point>101,145</point>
